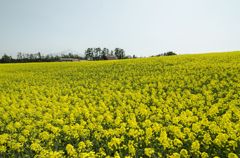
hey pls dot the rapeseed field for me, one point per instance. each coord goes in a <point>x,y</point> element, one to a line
<point>179,106</point>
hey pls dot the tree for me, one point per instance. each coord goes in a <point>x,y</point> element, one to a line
<point>104,53</point>
<point>97,52</point>
<point>6,59</point>
<point>101,54</point>
<point>32,57</point>
<point>169,53</point>
<point>119,53</point>
<point>19,56</point>
<point>166,54</point>
<point>39,56</point>
<point>89,54</point>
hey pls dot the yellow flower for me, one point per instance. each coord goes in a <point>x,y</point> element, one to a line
<point>55,154</point>
<point>131,148</point>
<point>81,146</point>
<point>71,151</point>
<point>17,125</point>
<point>195,146</point>
<point>175,155</point>
<point>177,142</point>
<point>25,132</point>
<point>204,155</point>
<point>44,135</point>
<point>184,153</point>
<point>22,139</point>
<point>4,138</point>
<point>36,147</point>
<point>17,146</point>
<point>149,151</point>
<point>232,155</point>
<point>3,149</point>
<point>115,142</point>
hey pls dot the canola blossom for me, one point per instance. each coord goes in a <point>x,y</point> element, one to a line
<point>178,107</point>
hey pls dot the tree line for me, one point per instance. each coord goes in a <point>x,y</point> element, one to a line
<point>36,57</point>
<point>103,54</point>
<point>89,54</point>
<point>166,54</point>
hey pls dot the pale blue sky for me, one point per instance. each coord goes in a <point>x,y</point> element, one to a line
<point>141,27</point>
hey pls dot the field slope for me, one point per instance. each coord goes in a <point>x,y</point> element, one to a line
<point>178,106</point>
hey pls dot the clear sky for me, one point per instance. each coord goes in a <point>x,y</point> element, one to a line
<point>141,27</point>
